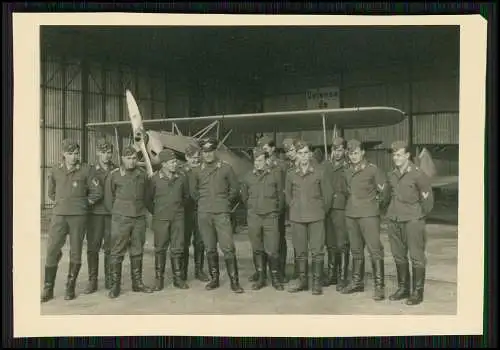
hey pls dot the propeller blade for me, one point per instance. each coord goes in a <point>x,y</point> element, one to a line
<point>133,112</point>
<point>138,130</point>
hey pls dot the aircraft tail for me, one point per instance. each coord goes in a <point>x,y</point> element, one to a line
<point>425,162</point>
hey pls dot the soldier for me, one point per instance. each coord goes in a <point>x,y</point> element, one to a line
<point>192,232</point>
<point>167,194</point>
<point>262,191</point>
<point>308,194</point>
<point>73,188</point>
<point>125,197</point>
<point>291,155</point>
<point>99,224</point>
<point>337,240</point>
<point>215,189</point>
<point>367,192</point>
<point>412,199</point>
<point>269,147</point>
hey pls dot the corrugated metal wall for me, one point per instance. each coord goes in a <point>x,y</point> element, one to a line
<point>74,93</point>
<point>432,98</point>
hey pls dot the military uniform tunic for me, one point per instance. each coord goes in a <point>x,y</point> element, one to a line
<point>166,199</point>
<point>308,195</point>
<point>283,167</point>
<point>367,192</point>
<point>191,229</point>
<point>214,187</point>
<point>125,194</point>
<point>99,225</point>
<point>336,231</point>
<point>411,200</point>
<point>262,191</point>
<point>73,191</point>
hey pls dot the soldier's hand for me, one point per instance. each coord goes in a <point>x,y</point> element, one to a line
<point>91,202</point>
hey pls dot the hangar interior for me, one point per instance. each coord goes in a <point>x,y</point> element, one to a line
<point>193,71</point>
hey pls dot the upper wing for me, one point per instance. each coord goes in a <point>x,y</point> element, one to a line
<point>285,121</point>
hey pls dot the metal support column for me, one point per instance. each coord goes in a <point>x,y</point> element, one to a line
<point>63,92</point>
<point>43,136</point>
<point>85,108</point>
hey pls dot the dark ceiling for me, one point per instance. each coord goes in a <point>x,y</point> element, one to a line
<point>256,50</point>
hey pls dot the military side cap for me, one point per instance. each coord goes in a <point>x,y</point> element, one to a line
<point>258,151</point>
<point>288,143</point>
<point>300,144</point>
<point>128,151</point>
<point>338,141</point>
<point>104,145</point>
<point>353,144</point>
<point>69,145</point>
<point>209,144</point>
<point>397,145</point>
<point>192,149</point>
<point>264,140</point>
<point>166,155</point>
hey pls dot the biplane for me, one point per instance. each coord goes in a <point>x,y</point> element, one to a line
<point>151,136</point>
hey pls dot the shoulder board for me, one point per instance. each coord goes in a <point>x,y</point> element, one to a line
<point>114,170</point>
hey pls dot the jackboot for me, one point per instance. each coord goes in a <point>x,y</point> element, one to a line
<point>302,282</point>
<point>160,262</point>
<point>185,263</point>
<point>136,271</point>
<point>115,268</point>
<point>403,275</point>
<point>418,279</point>
<point>254,276</point>
<point>261,268</point>
<point>332,271</point>
<point>107,271</point>
<point>378,279</point>
<point>177,268</point>
<point>74,270</point>
<point>296,267</point>
<point>343,270</point>
<point>93,266</point>
<point>213,270</point>
<point>282,260</point>
<point>48,285</point>
<point>232,272</point>
<point>274,267</point>
<point>358,277</point>
<point>199,261</point>
<point>317,276</point>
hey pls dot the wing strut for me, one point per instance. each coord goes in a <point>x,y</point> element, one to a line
<point>225,138</point>
<point>117,146</point>
<point>324,135</point>
<point>205,130</point>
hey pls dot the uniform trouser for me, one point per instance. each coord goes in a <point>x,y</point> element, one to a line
<point>283,248</point>
<point>169,233</point>
<point>217,228</point>
<point>61,226</point>
<point>309,235</point>
<point>192,231</point>
<point>99,233</point>
<point>408,236</point>
<point>365,231</point>
<point>263,233</point>
<point>337,238</point>
<point>127,233</point>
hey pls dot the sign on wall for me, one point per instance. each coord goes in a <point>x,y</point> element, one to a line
<point>326,97</point>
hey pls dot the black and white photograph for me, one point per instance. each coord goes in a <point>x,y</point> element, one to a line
<point>307,169</point>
